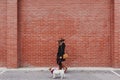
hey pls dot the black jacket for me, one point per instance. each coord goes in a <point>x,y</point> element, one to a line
<point>61,51</point>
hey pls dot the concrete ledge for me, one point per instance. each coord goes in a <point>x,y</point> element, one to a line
<point>69,68</point>
<point>2,68</point>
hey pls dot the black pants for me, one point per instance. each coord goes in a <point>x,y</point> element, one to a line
<point>59,62</point>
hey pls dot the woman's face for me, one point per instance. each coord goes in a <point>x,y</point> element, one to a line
<point>61,43</point>
<point>58,42</point>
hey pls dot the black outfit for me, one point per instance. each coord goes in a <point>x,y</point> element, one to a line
<point>61,51</point>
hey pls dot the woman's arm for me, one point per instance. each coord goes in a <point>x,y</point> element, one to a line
<point>63,48</point>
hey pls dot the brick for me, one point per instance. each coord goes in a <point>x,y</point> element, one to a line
<point>117,1</point>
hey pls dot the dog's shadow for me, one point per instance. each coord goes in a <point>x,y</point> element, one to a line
<point>58,77</point>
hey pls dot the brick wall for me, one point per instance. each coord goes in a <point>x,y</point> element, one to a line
<point>12,55</point>
<point>3,33</point>
<point>85,24</point>
<point>117,33</point>
<point>30,29</point>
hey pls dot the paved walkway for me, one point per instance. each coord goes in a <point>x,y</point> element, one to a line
<point>37,74</point>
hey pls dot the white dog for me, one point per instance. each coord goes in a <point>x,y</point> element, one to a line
<point>57,73</point>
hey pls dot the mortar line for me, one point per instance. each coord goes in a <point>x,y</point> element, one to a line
<point>115,73</point>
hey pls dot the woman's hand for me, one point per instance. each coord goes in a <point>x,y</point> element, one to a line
<point>60,57</point>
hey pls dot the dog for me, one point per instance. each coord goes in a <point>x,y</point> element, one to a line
<point>57,73</point>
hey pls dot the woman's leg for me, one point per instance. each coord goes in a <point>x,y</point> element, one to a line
<point>64,66</point>
<point>59,63</point>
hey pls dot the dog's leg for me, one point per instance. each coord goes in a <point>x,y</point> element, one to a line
<point>53,75</point>
<point>61,75</point>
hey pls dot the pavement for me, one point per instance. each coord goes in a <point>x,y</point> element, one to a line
<point>71,74</point>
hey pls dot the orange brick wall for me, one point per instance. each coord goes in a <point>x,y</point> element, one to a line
<point>85,24</point>
<point>12,27</point>
<point>3,25</point>
<point>29,31</point>
<point>117,33</point>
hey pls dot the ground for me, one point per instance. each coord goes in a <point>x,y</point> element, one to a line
<point>29,74</point>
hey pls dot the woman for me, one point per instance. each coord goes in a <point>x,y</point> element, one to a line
<point>61,51</point>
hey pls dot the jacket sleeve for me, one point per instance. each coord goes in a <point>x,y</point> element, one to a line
<point>63,48</point>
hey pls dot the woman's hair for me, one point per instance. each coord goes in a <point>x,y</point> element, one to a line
<point>61,40</point>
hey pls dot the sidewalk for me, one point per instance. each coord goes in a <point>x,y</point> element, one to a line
<point>72,74</point>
